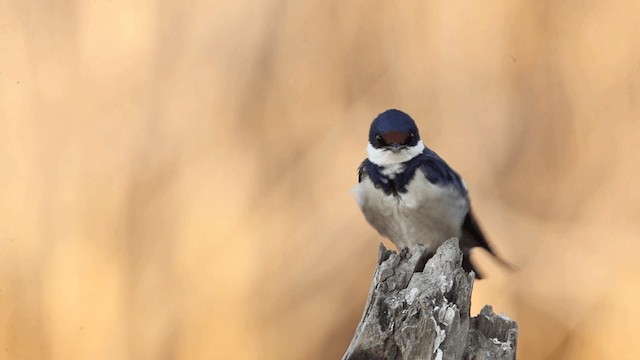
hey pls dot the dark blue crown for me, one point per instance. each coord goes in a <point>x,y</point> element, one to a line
<point>393,120</point>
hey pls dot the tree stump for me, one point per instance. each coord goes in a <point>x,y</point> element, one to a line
<point>418,308</point>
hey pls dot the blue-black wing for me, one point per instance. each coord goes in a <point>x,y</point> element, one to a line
<point>362,173</point>
<point>472,236</point>
<point>439,172</point>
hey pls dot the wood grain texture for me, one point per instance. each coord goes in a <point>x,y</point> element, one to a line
<point>418,308</point>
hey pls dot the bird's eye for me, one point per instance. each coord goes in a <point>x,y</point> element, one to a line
<point>409,139</point>
<point>380,140</point>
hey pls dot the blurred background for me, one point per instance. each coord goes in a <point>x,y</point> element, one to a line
<point>175,176</point>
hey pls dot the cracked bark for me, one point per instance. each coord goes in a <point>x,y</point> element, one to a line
<point>421,311</point>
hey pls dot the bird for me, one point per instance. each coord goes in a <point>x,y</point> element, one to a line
<point>411,196</point>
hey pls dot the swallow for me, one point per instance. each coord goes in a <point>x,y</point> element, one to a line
<point>411,196</point>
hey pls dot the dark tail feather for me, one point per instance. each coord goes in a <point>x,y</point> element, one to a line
<point>468,266</point>
<point>504,263</point>
<point>472,237</point>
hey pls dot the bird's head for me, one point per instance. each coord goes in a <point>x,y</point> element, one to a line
<point>393,138</point>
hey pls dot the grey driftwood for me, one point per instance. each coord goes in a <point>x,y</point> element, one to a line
<point>415,313</point>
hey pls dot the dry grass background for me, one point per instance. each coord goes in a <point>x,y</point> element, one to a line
<point>175,176</point>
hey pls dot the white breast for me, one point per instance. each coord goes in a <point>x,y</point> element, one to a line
<point>426,214</point>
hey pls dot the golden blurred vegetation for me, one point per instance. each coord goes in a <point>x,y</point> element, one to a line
<point>175,176</point>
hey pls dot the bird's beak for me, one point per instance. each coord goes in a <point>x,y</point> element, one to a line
<point>395,140</point>
<point>396,148</point>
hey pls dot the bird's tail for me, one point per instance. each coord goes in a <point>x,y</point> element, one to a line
<point>468,266</point>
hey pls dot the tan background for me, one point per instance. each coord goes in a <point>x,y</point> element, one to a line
<point>175,176</point>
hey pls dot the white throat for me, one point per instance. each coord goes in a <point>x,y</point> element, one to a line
<point>383,157</point>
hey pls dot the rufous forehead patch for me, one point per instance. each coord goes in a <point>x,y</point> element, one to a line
<point>395,137</point>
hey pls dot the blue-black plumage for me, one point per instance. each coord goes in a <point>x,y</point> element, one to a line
<point>410,195</point>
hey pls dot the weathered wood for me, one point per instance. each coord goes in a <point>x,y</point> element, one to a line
<point>418,311</point>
